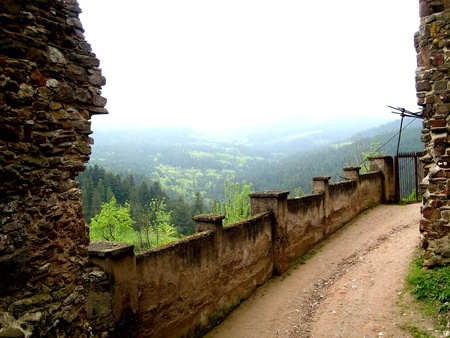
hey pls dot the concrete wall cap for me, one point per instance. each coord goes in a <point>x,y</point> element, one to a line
<point>321,178</point>
<point>378,156</point>
<point>351,167</point>
<point>209,218</point>
<point>270,194</point>
<point>103,249</point>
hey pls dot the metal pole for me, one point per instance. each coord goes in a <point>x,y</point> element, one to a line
<point>396,180</point>
<point>416,177</point>
<point>400,133</point>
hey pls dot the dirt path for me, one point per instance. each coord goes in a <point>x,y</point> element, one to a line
<point>352,286</point>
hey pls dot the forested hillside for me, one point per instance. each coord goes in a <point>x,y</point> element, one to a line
<point>296,170</point>
<point>188,170</point>
<point>99,186</point>
<point>181,161</point>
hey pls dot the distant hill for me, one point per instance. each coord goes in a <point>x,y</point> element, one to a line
<point>297,169</point>
<point>285,156</point>
<point>297,133</point>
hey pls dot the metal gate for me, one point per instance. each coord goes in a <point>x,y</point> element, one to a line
<point>408,175</point>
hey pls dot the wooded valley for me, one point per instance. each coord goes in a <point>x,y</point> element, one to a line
<point>189,173</point>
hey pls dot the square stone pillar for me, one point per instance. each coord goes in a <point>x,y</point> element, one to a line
<point>385,164</point>
<point>320,185</point>
<point>119,263</point>
<point>351,173</point>
<point>207,222</point>
<point>276,202</point>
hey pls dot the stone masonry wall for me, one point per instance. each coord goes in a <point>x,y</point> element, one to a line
<point>432,44</point>
<point>49,88</point>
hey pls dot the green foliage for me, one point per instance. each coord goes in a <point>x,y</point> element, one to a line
<point>184,162</point>
<point>188,170</point>
<point>156,228</point>
<point>375,145</point>
<point>414,196</point>
<point>236,205</point>
<point>112,223</point>
<point>199,205</point>
<point>298,192</point>
<point>182,167</point>
<point>303,259</point>
<point>181,216</point>
<point>416,332</point>
<point>364,149</point>
<point>431,286</point>
<point>99,185</point>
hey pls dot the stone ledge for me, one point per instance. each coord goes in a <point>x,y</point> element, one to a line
<point>270,194</point>
<point>209,218</point>
<point>352,168</point>
<point>112,249</point>
<point>321,178</point>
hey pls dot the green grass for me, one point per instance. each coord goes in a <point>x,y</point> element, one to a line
<point>416,332</point>
<point>303,259</point>
<point>431,288</point>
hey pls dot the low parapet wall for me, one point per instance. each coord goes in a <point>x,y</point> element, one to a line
<point>186,287</point>
<point>191,283</point>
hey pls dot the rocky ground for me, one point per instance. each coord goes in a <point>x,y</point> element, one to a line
<point>353,286</point>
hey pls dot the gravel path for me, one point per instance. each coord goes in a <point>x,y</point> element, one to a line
<point>352,287</point>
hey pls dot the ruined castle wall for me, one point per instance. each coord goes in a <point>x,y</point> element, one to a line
<point>50,86</point>
<point>432,44</point>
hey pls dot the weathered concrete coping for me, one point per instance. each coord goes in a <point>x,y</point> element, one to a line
<point>209,218</point>
<point>321,178</point>
<point>206,222</point>
<point>320,184</point>
<point>111,249</point>
<point>267,200</point>
<point>378,157</point>
<point>270,194</point>
<point>351,172</point>
<point>352,168</point>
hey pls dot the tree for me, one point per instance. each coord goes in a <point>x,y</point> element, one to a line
<point>198,204</point>
<point>156,228</point>
<point>299,192</point>
<point>145,196</point>
<point>373,150</point>
<point>96,205</point>
<point>364,148</point>
<point>113,222</point>
<point>157,192</point>
<point>181,217</point>
<point>87,187</point>
<point>237,202</point>
<point>135,207</point>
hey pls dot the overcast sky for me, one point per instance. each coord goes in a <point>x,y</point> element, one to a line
<point>209,64</point>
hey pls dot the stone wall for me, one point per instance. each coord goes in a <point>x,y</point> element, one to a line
<point>186,287</point>
<point>433,92</point>
<point>312,218</point>
<point>50,86</point>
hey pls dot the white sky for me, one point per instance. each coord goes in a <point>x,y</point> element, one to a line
<point>227,63</point>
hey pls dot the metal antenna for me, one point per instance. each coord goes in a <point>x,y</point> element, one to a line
<point>404,113</point>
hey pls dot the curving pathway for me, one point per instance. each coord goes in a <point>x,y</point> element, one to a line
<point>352,287</point>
